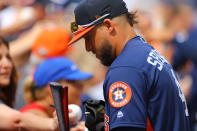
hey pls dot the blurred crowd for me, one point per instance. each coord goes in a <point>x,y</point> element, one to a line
<point>38,32</point>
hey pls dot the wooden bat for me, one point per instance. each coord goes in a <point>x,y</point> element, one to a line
<point>60,97</point>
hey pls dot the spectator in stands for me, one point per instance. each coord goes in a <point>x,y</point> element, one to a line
<point>58,69</point>
<point>13,119</point>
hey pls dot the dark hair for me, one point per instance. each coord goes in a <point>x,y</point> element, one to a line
<point>131,17</point>
<point>7,94</point>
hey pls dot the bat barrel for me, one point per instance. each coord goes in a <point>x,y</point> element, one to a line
<point>60,97</point>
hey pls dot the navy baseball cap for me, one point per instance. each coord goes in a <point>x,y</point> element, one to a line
<point>89,13</point>
<point>58,68</point>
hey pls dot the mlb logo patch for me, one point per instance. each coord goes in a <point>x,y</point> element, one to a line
<point>119,94</point>
<point>120,114</point>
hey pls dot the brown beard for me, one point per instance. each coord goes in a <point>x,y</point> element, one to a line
<point>106,55</point>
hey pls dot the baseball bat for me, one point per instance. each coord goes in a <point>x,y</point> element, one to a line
<point>60,97</point>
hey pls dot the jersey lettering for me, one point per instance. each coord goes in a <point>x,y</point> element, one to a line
<point>156,59</point>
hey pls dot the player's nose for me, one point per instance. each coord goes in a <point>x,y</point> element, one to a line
<point>88,45</point>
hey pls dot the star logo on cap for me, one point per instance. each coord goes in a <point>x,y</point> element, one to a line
<point>97,17</point>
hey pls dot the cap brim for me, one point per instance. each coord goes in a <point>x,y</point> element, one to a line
<point>78,75</point>
<point>79,35</point>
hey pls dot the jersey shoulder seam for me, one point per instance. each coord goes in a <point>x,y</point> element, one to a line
<point>132,67</point>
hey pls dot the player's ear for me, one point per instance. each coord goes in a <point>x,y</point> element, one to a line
<point>109,25</point>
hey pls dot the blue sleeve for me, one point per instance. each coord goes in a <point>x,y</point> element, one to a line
<point>129,108</point>
<point>129,129</point>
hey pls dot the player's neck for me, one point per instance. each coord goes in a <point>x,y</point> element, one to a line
<point>124,37</point>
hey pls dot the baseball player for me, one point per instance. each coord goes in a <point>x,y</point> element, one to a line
<point>140,85</point>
